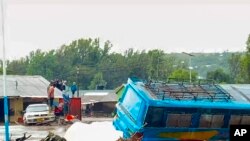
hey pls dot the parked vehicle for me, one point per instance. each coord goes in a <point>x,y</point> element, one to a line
<point>38,113</point>
<point>155,111</point>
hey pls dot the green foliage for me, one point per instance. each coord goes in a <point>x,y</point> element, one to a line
<point>97,80</point>
<point>86,62</point>
<point>203,62</point>
<point>248,44</point>
<point>246,63</point>
<point>43,63</point>
<point>245,69</point>
<point>219,76</point>
<point>183,74</point>
<point>18,66</point>
<point>235,67</point>
<point>240,64</point>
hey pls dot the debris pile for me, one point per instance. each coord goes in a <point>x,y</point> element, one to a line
<point>53,137</point>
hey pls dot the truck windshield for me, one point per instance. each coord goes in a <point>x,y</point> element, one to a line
<point>37,108</point>
<point>132,103</point>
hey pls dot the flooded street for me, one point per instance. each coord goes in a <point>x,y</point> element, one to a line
<point>40,132</point>
<point>37,132</point>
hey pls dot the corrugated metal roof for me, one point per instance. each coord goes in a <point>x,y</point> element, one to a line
<point>94,96</point>
<point>26,86</point>
<point>240,92</point>
<point>95,92</point>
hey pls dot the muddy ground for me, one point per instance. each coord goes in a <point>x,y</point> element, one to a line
<point>39,132</point>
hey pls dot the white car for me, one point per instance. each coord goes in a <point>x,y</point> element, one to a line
<point>38,113</point>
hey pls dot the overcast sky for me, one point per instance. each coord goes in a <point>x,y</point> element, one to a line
<point>173,26</point>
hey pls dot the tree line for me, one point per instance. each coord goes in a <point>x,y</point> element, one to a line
<point>89,64</point>
<point>238,70</point>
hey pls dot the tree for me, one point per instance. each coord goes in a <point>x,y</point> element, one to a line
<point>92,58</point>
<point>115,69</point>
<point>183,74</point>
<point>156,58</point>
<point>106,49</point>
<point>245,69</point>
<point>246,60</point>
<point>219,76</point>
<point>248,44</point>
<point>97,81</point>
<point>137,63</point>
<point>245,64</point>
<point>234,67</point>
<point>18,67</point>
<point>44,64</point>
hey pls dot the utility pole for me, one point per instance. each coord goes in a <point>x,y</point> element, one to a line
<point>6,108</point>
<point>190,65</point>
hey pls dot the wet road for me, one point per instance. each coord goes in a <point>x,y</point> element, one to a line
<point>37,132</point>
<point>40,132</point>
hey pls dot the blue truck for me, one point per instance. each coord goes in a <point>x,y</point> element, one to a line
<point>157,111</point>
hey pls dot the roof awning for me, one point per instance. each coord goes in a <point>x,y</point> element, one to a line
<point>25,96</point>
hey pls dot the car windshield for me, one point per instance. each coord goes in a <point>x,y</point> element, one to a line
<point>37,108</point>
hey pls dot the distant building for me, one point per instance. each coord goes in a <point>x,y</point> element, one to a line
<point>101,102</point>
<point>22,91</point>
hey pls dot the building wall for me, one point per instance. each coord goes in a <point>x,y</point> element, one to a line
<point>101,109</point>
<point>16,108</point>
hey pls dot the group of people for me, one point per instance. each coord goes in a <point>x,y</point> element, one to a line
<point>61,85</point>
<point>61,108</point>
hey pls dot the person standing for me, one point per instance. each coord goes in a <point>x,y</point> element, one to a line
<point>66,101</point>
<point>51,95</point>
<point>48,88</point>
<point>73,89</point>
